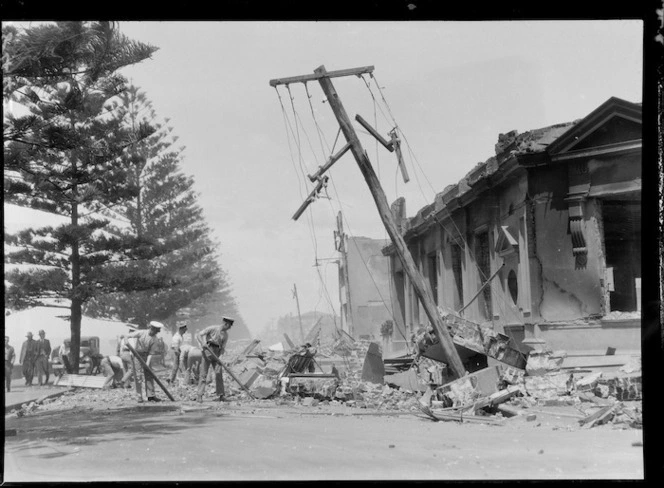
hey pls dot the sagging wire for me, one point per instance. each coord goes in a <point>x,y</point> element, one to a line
<point>502,301</point>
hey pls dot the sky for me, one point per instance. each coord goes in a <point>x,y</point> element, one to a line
<point>450,87</point>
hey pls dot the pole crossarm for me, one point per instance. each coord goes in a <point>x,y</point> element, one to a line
<point>388,145</point>
<point>316,76</point>
<point>329,163</point>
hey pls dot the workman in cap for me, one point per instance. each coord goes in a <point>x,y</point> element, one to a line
<point>28,357</point>
<point>113,369</point>
<point>146,347</point>
<point>215,338</point>
<point>176,345</point>
<point>43,353</point>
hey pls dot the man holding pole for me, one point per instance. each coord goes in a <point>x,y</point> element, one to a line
<point>215,338</point>
<point>146,347</point>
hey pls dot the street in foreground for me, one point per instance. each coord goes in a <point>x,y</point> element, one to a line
<point>264,440</point>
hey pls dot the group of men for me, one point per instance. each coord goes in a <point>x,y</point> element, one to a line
<point>33,359</point>
<point>120,369</point>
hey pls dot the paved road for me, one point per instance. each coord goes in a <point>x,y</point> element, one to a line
<point>25,394</point>
<point>232,442</point>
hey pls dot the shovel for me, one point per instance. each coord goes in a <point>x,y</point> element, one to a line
<point>230,373</point>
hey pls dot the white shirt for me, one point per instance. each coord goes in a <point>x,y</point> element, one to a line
<point>176,342</point>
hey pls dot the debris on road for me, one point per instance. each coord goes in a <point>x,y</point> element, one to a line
<point>354,374</point>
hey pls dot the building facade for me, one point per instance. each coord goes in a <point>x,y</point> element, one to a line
<point>542,241</point>
<point>364,287</point>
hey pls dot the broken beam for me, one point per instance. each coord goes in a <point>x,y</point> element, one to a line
<point>317,76</point>
<point>310,198</point>
<point>388,145</point>
<point>396,143</point>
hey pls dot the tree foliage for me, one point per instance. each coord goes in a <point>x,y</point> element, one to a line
<point>179,265</point>
<point>64,147</point>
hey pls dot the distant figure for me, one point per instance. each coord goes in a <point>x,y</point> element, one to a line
<point>43,353</point>
<point>10,357</point>
<point>176,344</point>
<point>215,337</point>
<point>113,370</point>
<point>28,357</point>
<point>146,347</point>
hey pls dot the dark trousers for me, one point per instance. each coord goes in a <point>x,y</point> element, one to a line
<point>176,365</point>
<point>206,362</point>
<point>41,367</point>
<point>8,375</point>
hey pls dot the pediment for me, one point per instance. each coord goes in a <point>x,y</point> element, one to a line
<point>613,124</point>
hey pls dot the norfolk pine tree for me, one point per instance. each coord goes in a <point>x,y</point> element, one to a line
<point>165,214</point>
<point>64,154</point>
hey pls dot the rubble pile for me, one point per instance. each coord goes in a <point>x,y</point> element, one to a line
<point>598,397</point>
<point>337,375</point>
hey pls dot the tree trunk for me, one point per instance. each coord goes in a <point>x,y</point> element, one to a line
<point>76,301</point>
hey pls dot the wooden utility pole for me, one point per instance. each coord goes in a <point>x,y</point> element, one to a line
<point>343,274</point>
<point>297,301</point>
<point>420,286</point>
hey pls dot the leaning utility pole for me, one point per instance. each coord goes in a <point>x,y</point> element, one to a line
<point>419,284</point>
<point>297,302</point>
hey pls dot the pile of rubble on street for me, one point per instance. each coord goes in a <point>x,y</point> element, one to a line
<point>355,374</point>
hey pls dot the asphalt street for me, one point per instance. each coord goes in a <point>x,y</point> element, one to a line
<point>170,441</point>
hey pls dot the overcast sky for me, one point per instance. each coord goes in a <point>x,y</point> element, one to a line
<point>452,87</point>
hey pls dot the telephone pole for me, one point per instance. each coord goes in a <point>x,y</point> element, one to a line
<point>422,289</point>
<point>297,301</point>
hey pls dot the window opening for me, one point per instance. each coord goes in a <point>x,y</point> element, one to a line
<point>457,259</point>
<point>484,266</point>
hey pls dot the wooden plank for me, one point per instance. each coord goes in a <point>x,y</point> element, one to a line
<point>316,76</point>
<point>288,340</point>
<point>421,287</point>
<point>80,380</point>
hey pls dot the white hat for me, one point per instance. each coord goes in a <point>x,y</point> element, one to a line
<point>228,319</point>
<point>156,324</point>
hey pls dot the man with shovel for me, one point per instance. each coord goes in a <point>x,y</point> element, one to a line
<point>215,338</point>
<point>146,347</point>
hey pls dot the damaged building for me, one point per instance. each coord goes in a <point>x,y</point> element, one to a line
<point>364,286</point>
<point>553,223</point>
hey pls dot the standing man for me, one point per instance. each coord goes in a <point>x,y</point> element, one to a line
<point>43,353</point>
<point>146,347</point>
<point>10,357</point>
<point>27,359</point>
<point>113,370</point>
<point>215,337</point>
<point>176,345</point>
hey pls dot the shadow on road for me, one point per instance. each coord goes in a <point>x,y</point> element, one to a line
<point>88,427</point>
